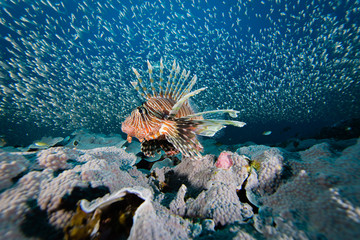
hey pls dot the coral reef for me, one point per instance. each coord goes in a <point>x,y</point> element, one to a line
<point>56,158</point>
<point>220,203</point>
<point>15,203</point>
<point>256,192</point>
<point>224,161</point>
<point>11,165</point>
<point>322,197</point>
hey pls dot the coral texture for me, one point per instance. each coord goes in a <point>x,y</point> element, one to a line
<point>14,203</point>
<point>11,165</point>
<point>56,158</point>
<point>257,192</point>
<point>224,161</point>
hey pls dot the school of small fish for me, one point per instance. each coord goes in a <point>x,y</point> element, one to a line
<point>66,65</point>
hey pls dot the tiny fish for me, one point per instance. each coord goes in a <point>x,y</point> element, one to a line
<point>166,121</point>
<point>266,133</point>
<point>41,144</point>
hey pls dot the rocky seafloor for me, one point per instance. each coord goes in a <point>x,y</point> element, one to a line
<point>91,186</point>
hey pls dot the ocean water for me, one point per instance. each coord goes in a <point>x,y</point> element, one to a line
<point>289,67</point>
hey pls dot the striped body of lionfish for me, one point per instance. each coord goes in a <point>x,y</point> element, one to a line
<point>166,121</point>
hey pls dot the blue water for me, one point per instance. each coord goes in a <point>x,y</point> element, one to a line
<point>66,65</point>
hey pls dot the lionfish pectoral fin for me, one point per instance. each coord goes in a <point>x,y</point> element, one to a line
<point>175,109</point>
<point>231,112</point>
<point>208,127</point>
<point>129,138</point>
<point>181,134</point>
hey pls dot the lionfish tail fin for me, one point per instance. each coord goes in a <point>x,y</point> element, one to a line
<point>208,127</point>
<point>181,133</point>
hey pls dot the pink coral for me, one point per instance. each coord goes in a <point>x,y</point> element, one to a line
<point>224,161</point>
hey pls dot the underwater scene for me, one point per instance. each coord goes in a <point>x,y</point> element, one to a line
<point>179,119</point>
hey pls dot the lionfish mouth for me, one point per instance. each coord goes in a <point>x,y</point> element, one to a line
<point>166,120</point>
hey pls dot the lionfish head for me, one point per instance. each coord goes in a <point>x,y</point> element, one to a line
<point>134,124</point>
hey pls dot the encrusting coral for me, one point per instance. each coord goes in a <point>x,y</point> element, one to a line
<point>318,197</point>
<point>219,200</point>
<point>257,192</point>
<point>220,203</point>
<point>14,203</point>
<point>56,158</point>
<point>11,165</point>
<point>90,173</point>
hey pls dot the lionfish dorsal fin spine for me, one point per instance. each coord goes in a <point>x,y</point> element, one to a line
<point>150,70</point>
<point>178,85</point>
<point>167,90</point>
<point>175,109</point>
<point>161,78</point>
<point>138,86</point>
<point>179,93</point>
<point>172,85</point>
<point>173,80</point>
<point>189,86</point>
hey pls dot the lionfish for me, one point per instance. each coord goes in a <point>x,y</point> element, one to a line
<point>166,121</point>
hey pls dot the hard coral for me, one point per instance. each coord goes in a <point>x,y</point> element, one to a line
<point>14,203</point>
<point>220,203</point>
<point>224,161</point>
<point>319,200</point>
<point>54,189</point>
<point>111,154</point>
<point>264,179</point>
<point>55,158</point>
<point>218,199</point>
<point>11,165</point>
<point>105,173</point>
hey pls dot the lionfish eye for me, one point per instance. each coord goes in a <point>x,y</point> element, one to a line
<point>141,109</point>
